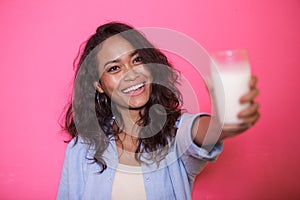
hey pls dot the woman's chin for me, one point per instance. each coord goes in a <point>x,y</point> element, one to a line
<point>137,105</point>
<point>132,106</point>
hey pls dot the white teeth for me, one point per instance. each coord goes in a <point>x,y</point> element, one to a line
<point>133,87</point>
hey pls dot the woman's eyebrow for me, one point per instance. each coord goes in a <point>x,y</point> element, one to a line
<point>134,53</point>
<point>118,60</point>
<point>112,61</point>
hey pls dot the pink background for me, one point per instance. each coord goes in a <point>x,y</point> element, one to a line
<point>40,39</point>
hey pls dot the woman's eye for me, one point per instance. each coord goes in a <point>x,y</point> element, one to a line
<point>138,59</point>
<point>113,68</point>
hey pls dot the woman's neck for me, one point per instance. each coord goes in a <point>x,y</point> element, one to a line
<point>127,141</point>
<point>129,122</point>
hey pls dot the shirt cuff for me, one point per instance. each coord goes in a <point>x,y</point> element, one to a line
<point>204,154</point>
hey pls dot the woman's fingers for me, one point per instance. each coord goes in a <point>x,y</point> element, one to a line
<point>251,120</point>
<point>250,96</point>
<point>253,82</point>
<point>250,111</point>
<point>250,115</point>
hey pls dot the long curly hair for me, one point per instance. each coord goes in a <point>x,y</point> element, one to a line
<point>90,114</point>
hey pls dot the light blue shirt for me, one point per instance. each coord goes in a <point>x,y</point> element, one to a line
<point>172,179</point>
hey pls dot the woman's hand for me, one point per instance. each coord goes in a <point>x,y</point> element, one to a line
<point>249,116</point>
<point>208,130</point>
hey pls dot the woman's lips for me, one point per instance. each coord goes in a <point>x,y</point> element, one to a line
<point>133,88</point>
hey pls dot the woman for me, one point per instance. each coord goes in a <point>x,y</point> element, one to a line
<point>131,140</point>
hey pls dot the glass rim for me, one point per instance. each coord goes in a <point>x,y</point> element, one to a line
<point>229,52</point>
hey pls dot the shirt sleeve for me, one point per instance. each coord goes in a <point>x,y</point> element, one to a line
<point>73,173</point>
<point>193,157</point>
<point>64,181</point>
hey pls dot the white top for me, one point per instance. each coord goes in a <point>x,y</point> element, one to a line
<point>128,183</point>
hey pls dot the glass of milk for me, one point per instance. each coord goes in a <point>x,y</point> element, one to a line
<point>230,76</point>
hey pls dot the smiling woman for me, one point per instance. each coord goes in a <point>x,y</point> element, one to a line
<point>123,77</point>
<point>126,121</point>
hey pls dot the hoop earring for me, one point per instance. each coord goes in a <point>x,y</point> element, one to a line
<point>97,97</point>
<point>105,98</point>
<point>101,97</point>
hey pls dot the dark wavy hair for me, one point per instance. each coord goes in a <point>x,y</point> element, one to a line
<point>89,114</point>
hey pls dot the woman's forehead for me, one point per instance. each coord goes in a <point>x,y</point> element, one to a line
<point>113,48</point>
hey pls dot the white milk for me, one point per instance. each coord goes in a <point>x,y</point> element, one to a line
<point>234,80</point>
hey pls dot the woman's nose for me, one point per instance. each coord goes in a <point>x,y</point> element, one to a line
<point>131,73</point>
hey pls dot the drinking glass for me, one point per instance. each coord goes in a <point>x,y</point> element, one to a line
<point>230,76</point>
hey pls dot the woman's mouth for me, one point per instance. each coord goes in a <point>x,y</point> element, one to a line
<point>135,89</point>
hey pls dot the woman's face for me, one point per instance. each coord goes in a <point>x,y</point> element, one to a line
<point>123,76</point>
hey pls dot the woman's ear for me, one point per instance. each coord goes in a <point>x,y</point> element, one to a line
<point>98,87</point>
